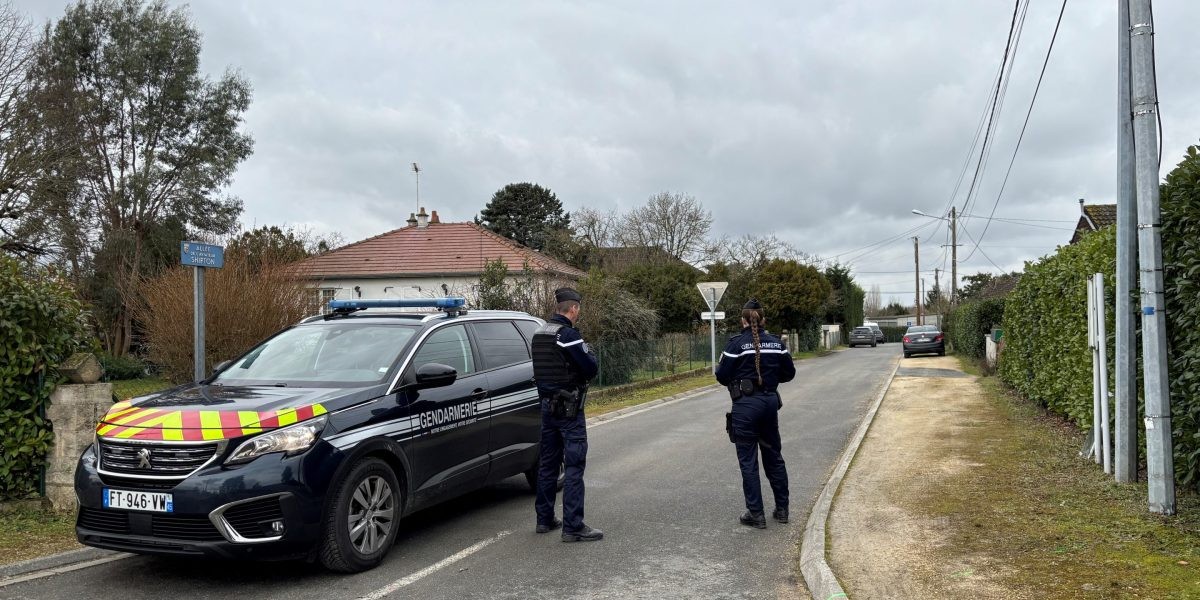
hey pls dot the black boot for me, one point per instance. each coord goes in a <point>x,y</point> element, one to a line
<point>780,515</point>
<point>753,519</point>
<point>543,528</point>
<point>587,534</point>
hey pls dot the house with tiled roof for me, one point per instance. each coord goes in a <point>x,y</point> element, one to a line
<point>425,259</point>
<point>1093,217</point>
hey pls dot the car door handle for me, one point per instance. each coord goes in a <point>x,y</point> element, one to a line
<point>479,394</point>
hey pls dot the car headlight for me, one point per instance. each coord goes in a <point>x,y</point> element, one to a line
<point>290,440</point>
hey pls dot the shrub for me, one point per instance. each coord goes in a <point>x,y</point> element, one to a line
<point>118,368</point>
<point>1181,262</point>
<point>1046,355</point>
<point>41,324</point>
<point>617,324</point>
<point>246,301</point>
<point>969,322</point>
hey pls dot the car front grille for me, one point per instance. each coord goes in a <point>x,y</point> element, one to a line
<point>106,521</point>
<point>251,520</point>
<point>179,527</point>
<point>154,460</point>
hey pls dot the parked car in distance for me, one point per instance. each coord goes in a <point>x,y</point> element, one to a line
<point>924,339</point>
<point>862,336</point>
<point>879,337</point>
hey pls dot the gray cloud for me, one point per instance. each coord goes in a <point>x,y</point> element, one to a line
<point>824,124</point>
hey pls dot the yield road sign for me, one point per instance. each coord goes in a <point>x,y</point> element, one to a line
<point>709,316</point>
<point>712,292</point>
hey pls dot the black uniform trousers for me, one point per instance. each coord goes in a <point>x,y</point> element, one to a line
<point>755,427</point>
<point>564,443</point>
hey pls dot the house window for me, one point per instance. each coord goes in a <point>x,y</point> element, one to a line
<point>318,301</point>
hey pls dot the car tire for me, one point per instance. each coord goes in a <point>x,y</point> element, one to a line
<point>370,496</point>
<point>873,345</point>
<point>941,352</point>
<point>907,355</point>
<point>532,473</point>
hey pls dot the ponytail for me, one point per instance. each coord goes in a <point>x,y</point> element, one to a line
<point>753,317</point>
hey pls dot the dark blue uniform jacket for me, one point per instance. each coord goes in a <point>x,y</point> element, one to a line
<point>737,361</point>
<point>577,353</point>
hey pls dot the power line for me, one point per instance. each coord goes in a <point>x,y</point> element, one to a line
<point>1014,36</point>
<point>1021,137</point>
<point>989,259</point>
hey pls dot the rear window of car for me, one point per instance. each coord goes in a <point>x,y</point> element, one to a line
<point>862,330</point>
<point>500,343</point>
<point>922,329</point>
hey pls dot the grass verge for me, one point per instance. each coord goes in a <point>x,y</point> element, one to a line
<point>132,388</point>
<point>1054,524</point>
<point>635,397</point>
<point>27,533</point>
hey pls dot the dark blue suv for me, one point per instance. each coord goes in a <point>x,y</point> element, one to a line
<point>317,441</point>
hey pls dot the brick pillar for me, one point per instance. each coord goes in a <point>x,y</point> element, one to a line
<point>74,411</point>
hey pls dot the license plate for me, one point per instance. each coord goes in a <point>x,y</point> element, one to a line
<point>923,340</point>
<point>130,500</point>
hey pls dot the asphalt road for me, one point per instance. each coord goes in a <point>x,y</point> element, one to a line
<point>663,485</point>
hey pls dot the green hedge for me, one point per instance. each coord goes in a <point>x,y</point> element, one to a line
<point>1181,261</point>
<point>1046,356</point>
<point>119,368</point>
<point>970,322</point>
<point>893,335</point>
<point>41,325</point>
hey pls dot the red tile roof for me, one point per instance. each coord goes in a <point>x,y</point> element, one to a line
<point>439,249</point>
<point>1094,218</point>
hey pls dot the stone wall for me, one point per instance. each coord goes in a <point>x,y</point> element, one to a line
<point>74,411</point>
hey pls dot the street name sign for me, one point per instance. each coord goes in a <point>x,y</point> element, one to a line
<point>712,316</point>
<point>198,254</point>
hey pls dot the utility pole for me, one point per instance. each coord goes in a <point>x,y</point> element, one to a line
<point>1159,449</point>
<point>953,255</point>
<point>917,276</point>
<point>937,287</point>
<point>1126,456</point>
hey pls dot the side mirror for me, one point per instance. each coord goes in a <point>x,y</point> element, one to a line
<point>220,366</point>
<point>433,375</point>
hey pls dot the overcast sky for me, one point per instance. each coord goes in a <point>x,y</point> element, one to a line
<point>822,122</point>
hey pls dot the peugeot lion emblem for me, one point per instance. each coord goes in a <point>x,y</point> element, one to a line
<point>144,458</point>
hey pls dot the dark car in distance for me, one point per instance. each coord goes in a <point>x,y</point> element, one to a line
<point>316,442</point>
<point>924,339</point>
<point>862,336</point>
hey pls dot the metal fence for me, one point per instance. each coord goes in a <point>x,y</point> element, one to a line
<point>627,361</point>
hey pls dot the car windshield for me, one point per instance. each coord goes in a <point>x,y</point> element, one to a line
<point>322,355</point>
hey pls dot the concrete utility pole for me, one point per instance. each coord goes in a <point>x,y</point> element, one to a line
<point>917,277</point>
<point>1126,410</point>
<point>417,174</point>
<point>953,255</point>
<point>1159,450</point>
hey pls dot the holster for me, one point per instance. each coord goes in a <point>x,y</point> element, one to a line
<point>741,387</point>
<point>729,427</point>
<point>565,404</point>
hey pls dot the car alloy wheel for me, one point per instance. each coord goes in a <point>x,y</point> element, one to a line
<point>372,514</point>
<point>361,522</point>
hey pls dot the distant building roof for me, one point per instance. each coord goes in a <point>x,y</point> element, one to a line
<point>999,287</point>
<point>1094,217</point>
<point>461,249</point>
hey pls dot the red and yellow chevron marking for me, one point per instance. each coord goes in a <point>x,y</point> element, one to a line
<point>174,425</point>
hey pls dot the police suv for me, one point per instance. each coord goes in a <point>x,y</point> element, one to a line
<point>318,440</point>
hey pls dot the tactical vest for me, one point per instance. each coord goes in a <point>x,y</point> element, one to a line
<point>549,364</point>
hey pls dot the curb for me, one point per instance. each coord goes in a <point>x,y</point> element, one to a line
<point>608,416</point>
<point>821,581</point>
<point>53,561</point>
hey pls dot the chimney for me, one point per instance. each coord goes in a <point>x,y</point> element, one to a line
<point>422,219</point>
<point>1081,211</point>
<point>433,219</point>
<point>412,219</point>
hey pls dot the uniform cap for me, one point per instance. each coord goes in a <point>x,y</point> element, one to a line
<point>567,295</point>
<point>752,304</point>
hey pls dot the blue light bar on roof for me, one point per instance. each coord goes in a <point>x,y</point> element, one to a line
<point>439,303</point>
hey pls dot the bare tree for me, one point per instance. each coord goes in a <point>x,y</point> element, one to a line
<point>874,302</point>
<point>676,223</point>
<point>22,154</point>
<point>594,228</point>
<point>753,250</point>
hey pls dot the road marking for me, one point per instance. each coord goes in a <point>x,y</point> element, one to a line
<point>445,562</point>
<point>62,569</point>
